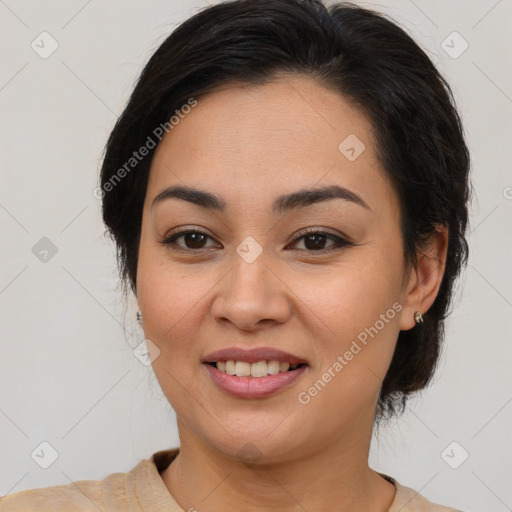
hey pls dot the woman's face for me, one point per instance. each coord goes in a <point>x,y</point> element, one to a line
<point>255,280</point>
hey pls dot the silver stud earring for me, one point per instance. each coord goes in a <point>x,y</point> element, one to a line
<point>139,317</point>
<point>418,318</point>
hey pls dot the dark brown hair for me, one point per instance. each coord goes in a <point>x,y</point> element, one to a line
<point>370,61</point>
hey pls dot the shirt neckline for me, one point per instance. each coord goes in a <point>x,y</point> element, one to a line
<point>151,488</point>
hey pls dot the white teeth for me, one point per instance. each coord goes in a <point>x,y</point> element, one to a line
<point>273,367</point>
<point>284,366</point>
<point>259,369</point>
<point>242,369</point>
<point>230,367</point>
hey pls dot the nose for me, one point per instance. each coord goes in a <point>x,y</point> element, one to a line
<point>252,296</point>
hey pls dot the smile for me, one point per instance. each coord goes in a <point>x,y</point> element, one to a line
<point>253,373</point>
<point>259,369</point>
<point>246,386</point>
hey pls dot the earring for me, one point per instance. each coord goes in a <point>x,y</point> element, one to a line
<point>139,317</point>
<point>418,318</point>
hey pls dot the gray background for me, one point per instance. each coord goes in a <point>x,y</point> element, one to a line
<point>68,374</point>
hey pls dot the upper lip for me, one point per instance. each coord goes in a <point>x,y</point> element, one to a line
<point>253,355</point>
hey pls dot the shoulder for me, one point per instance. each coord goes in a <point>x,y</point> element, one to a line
<point>82,495</point>
<point>78,496</point>
<point>409,500</point>
<point>139,489</point>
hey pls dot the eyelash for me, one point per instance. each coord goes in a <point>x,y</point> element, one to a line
<point>340,242</point>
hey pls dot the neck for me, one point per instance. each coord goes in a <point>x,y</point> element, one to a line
<point>202,478</point>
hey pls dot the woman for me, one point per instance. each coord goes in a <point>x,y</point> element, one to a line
<point>287,189</point>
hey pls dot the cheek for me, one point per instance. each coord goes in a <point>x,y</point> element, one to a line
<point>174,299</point>
<point>349,297</point>
<point>353,315</point>
<point>169,302</point>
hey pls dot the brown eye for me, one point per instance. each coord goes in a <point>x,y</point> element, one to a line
<point>193,240</point>
<point>316,240</point>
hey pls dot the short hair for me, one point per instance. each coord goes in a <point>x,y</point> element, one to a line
<point>376,66</point>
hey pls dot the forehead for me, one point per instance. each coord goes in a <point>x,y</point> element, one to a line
<point>264,139</point>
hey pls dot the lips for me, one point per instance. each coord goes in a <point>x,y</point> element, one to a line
<point>253,355</point>
<point>254,373</point>
<point>254,387</point>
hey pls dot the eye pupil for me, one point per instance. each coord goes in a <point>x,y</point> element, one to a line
<point>318,241</point>
<point>197,238</point>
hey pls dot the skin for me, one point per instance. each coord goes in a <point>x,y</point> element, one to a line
<point>249,145</point>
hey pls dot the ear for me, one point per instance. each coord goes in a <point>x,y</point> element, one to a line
<point>424,281</point>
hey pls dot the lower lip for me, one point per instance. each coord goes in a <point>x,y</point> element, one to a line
<point>254,387</point>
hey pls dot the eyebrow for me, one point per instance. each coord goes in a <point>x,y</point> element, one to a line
<point>282,204</point>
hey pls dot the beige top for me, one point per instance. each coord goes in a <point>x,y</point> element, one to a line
<point>143,490</point>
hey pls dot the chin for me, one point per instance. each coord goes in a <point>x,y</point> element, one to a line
<point>254,445</point>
